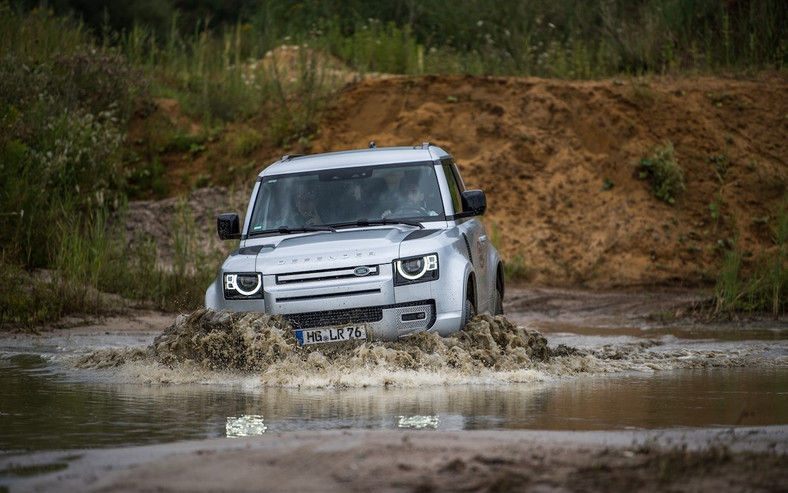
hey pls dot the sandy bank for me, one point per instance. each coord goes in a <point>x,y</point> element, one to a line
<point>734,459</point>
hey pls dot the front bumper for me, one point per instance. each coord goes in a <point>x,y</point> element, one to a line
<point>324,299</point>
<point>385,322</point>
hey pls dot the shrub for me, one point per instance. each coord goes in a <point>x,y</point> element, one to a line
<point>663,172</point>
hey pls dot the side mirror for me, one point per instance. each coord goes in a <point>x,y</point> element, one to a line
<point>474,203</point>
<point>228,226</point>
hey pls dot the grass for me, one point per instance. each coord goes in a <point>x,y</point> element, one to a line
<point>765,289</point>
<point>516,269</point>
<point>133,268</point>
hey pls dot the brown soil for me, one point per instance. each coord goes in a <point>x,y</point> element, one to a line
<point>556,161</point>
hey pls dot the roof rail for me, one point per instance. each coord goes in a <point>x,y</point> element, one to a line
<point>425,145</point>
<point>288,157</point>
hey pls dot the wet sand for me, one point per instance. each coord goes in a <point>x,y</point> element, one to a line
<point>734,459</point>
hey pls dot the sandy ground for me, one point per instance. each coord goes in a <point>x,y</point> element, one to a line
<point>742,459</point>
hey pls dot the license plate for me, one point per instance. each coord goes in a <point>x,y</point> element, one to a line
<point>330,334</point>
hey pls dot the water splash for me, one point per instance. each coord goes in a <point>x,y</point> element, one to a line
<point>260,350</point>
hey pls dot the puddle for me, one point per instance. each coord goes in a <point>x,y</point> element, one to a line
<point>213,375</point>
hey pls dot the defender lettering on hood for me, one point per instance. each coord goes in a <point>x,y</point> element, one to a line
<point>344,256</point>
<point>363,244</point>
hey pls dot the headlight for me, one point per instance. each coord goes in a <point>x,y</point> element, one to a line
<point>243,286</point>
<point>416,269</point>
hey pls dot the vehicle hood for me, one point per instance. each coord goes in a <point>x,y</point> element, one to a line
<point>326,250</point>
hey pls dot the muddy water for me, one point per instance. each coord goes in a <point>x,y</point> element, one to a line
<point>558,361</point>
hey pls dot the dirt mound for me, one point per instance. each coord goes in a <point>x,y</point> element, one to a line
<point>288,62</point>
<point>556,161</point>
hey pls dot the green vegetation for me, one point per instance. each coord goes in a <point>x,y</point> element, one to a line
<point>766,290</point>
<point>549,38</point>
<point>69,88</point>
<point>516,268</point>
<point>65,103</point>
<point>663,172</point>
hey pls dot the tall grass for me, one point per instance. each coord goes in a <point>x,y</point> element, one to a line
<point>555,38</point>
<point>133,268</point>
<point>64,107</point>
<point>219,72</point>
<point>62,122</point>
<point>766,288</point>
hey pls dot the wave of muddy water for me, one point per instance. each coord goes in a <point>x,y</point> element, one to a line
<point>260,350</point>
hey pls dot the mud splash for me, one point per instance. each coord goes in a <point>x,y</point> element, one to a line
<point>259,349</point>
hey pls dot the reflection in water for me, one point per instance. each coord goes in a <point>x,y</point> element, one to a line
<point>246,425</point>
<point>418,422</point>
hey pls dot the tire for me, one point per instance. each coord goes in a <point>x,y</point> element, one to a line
<point>468,312</point>
<point>498,307</point>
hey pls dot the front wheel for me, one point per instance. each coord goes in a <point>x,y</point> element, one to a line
<point>468,312</point>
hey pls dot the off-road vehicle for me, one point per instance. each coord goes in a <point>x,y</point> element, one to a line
<point>376,243</point>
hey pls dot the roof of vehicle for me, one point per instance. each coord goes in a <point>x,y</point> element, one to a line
<point>352,158</point>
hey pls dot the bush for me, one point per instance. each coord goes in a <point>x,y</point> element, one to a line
<point>663,172</point>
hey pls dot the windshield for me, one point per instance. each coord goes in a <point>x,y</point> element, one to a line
<point>338,197</point>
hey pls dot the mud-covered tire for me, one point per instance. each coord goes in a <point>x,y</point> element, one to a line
<point>468,311</point>
<point>498,306</point>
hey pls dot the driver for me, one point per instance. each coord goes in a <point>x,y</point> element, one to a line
<point>412,200</point>
<point>306,208</point>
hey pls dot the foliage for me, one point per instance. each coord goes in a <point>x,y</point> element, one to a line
<point>562,38</point>
<point>516,269</point>
<point>663,172</point>
<point>763,291</point>
<point>62,128</point>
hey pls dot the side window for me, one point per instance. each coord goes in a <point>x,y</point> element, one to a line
<point>454,186</point>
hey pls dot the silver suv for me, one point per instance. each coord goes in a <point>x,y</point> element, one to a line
<point>375,243</point>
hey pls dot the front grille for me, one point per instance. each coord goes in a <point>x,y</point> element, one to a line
<point>370,314</point>
<point>328,275</point>
<point>313,297</point>
<point>336,317</point>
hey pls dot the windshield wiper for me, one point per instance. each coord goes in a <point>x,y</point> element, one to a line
<point>301,229</point>
<point>378,222</point>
